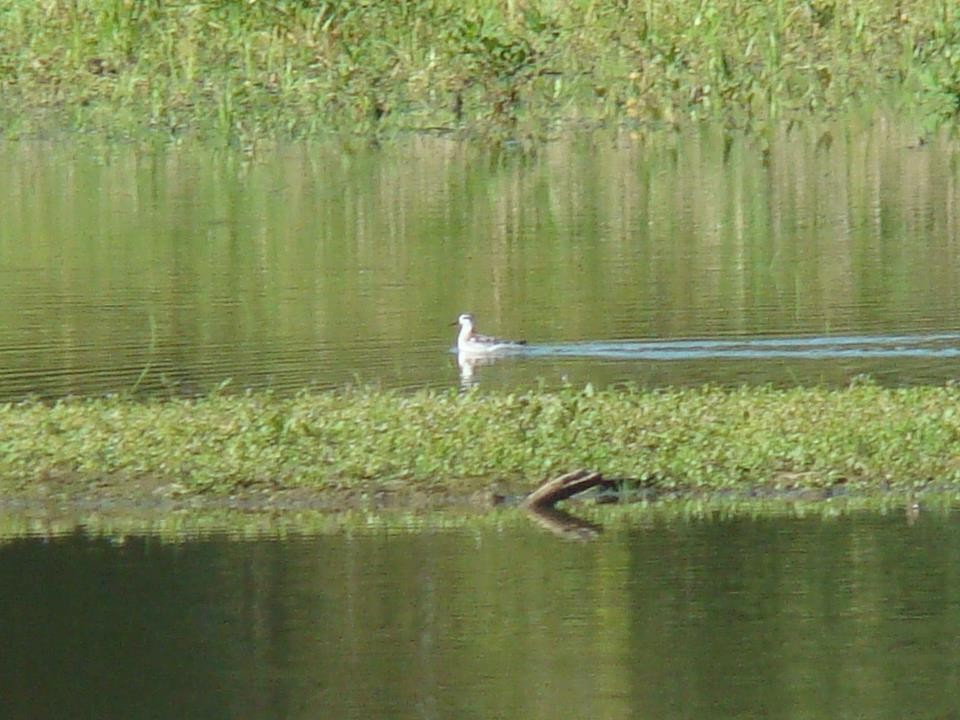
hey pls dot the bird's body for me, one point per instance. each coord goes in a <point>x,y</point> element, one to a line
<point>470,342</point>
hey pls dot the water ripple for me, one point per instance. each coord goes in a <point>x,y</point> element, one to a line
<point>941,345</point>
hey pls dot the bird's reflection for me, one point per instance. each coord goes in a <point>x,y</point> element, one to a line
<point>468,364</point>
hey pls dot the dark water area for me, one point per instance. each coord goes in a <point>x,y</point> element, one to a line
<point>172,270</point>
<point>820,617</point>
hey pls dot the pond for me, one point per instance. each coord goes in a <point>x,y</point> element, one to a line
<point>845,616</point>
<point>809,256</point>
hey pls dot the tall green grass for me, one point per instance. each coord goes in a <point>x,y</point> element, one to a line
<point>506,69</point>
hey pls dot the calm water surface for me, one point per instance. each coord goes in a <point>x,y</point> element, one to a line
<point>850,617</point>
<point>677,262</point>
<point>816,258</point>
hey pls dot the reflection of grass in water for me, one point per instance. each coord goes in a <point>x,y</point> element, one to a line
<point>198,521</point>
<point>365,442</point>
<point>505,70</point>
<point>151,350</point>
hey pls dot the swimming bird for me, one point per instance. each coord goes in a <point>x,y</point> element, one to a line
<point>473,343</point>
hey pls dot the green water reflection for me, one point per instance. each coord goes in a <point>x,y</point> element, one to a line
<point>854,616</point>
<point>174,269</point>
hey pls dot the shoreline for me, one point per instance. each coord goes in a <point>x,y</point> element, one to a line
<point>303,514</point>
<point>368,450</point>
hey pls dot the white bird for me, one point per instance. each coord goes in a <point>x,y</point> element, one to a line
<point>470,342</point>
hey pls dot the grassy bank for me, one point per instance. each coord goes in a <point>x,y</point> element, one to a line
<point>362,443</point>
<point>293,68</point>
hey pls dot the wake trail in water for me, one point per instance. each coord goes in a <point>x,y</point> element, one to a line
<point>941,345</point>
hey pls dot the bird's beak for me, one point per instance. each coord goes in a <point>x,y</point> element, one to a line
<point>455,322</point>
